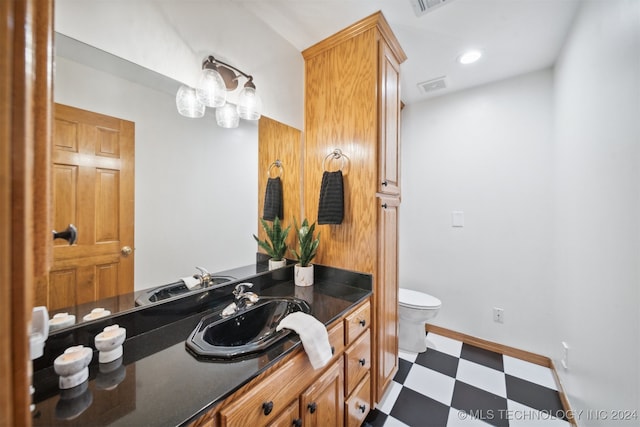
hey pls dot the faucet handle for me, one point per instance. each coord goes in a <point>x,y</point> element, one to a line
<point>204,276</point>
<point>240,288</point>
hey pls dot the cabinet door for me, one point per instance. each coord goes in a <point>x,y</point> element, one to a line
<point>389,167</point>
<point>289,417</point>
<point>322,404</point>
<point>387,294</point>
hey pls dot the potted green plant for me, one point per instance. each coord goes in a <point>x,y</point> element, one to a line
<point>276,243</point>
<point>307,249</point>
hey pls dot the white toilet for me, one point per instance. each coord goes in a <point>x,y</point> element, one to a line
<point>414,310</point>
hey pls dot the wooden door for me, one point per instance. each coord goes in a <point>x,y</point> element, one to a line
<point>323,402</point>
<point>93,188</point>
<point>386,293</point>
<point>26,46</point>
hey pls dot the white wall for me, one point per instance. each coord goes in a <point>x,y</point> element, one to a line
<point>195,183</point>
<point>144,32</point>
<point>597,208</point>
<point>487,152</point>
<point>546,167</point>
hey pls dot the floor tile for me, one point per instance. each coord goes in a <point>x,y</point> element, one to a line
<point>480,404</point>
<point>459,418</point>
<point>375,418</point>
<point>430,383</point>
<point>407,355</point>
<point>393,422</point>
<point>390,397</point>
<point>459,385</point>
<point>444,344</point>
<point>523,416</point>
<point>441,362</point>
<point>482,356</point>
<point>480,376</point>
<point>533,395</point>
<point>415,409</point>
<point>403,369</point>
<point>529,371</point>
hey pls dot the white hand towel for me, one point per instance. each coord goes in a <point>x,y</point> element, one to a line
<point>191,282</point>
<point>313,334</point>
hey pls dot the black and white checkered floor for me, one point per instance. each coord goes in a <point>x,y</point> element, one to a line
<point>456,384</point>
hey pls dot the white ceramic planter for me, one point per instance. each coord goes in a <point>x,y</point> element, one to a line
<point>303,276</point>
<point>274,265</point>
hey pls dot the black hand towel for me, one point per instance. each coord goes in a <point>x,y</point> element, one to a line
<point>331,205</point>
<point>273,199</point>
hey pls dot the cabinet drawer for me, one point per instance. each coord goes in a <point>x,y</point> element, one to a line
<point>262,403</point>
<point>357,361</point>
<point>358,405</point>
<point>336,338</point>
<point>357,322</point>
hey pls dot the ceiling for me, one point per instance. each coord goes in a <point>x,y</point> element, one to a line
<point>516,36</point>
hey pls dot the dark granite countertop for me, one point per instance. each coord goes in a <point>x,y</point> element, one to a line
<point>158,382</point>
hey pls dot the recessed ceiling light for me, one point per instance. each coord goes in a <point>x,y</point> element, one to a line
<point>470,56</point>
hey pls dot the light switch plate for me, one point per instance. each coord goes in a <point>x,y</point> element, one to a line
<point>457,219</point>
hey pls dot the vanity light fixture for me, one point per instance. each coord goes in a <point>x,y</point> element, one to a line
<point>470,56</point>
<point>216,80</point>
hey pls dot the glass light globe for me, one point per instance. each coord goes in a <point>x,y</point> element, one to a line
<point>249,104</point>
<point>211,89</point>
<point>227,116</point>
<point>188,103</point>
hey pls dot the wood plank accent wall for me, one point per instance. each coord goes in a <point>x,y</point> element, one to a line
<point>335,80</point>
<point>278,141</point>
<point>26,27</point>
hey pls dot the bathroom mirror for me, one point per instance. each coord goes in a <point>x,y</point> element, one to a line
<point>195,183</point>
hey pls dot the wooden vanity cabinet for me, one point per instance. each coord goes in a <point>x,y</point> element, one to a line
<point>292,393</point>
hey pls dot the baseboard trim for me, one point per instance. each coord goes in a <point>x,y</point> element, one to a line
<point>489,345</point>
<point>527,356</point>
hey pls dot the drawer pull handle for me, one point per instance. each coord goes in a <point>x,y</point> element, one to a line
<point>362,362</point>
<point>384,206</point>
<point>385,183</point>
<point>267,407</point>
<point>363,323</point>
<point>312,407</point>
<point>297,422</point>
<point>362,408</point>
<point>333,350</point>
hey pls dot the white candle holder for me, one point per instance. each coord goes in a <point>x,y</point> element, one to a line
<point>72,366</point>
<point>109,343</point>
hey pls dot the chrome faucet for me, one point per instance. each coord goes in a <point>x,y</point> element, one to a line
<point>243,299</point>
<point>204,277</point>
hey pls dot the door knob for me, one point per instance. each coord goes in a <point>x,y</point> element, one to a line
<point>126,250</point>
<point>70,234</point>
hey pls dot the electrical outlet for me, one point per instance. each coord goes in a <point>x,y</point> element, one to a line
<point>565,355</point>
<point>498,315</point>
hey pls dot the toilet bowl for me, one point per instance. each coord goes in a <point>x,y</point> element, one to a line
<point>415,308</point>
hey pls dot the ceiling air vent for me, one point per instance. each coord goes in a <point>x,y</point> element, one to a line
<point>420,7</point>
<point>434,84</point>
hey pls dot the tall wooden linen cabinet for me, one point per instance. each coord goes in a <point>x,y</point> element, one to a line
<point>352,103</point>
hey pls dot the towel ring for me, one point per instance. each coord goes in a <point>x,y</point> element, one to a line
<point>276,164</point>
<point>335,154</point>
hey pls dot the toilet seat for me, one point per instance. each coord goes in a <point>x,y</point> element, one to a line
<point>419,300</point>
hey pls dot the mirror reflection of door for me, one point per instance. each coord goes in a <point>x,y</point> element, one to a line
<point>93,188</point>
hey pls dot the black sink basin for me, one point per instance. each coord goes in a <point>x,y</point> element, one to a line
<point>174,289</point>
<point>249,331</point>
